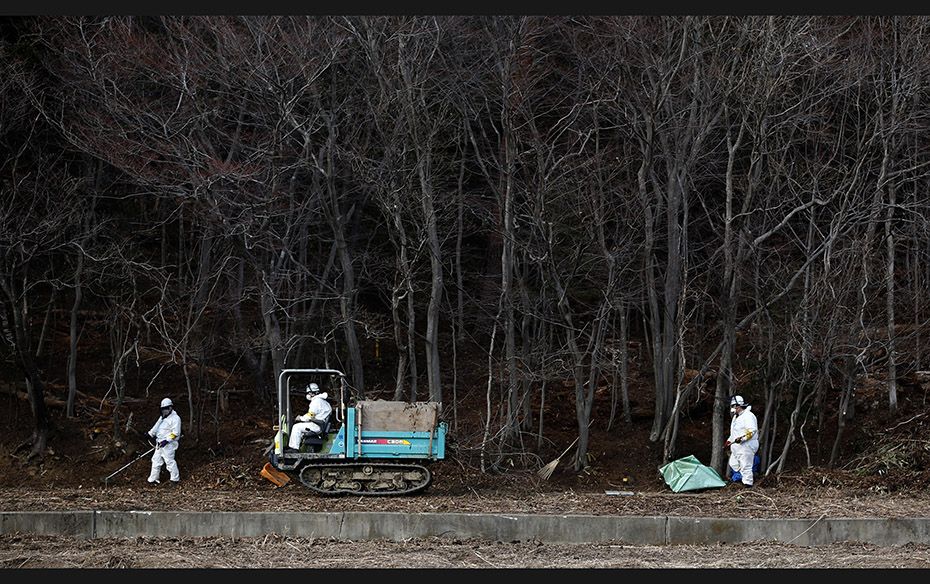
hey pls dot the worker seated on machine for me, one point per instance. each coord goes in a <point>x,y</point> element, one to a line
<point>312,427</point>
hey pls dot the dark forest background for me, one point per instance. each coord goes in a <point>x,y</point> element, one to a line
<point>739,204</point>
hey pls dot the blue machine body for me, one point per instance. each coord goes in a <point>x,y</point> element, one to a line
<point>384,444</point>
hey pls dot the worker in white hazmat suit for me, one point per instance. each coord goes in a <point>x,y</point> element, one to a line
<point>164,435</point>
<point>743,441</point>
<point>315,419</point>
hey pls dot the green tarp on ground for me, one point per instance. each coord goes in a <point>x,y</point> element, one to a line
<point>688,474</point>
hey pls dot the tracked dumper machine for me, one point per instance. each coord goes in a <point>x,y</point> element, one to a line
<point>367,447</point>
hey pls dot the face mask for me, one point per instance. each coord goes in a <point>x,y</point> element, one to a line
<point>733,411</point>
<point>165,412</point>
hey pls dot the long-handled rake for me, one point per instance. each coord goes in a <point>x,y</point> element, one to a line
<point>127,465</point>
<point>546,471</point>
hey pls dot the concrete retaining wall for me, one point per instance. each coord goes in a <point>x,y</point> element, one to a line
<point>691,530</point>
<point>360,526</point>
<point>390,526</point>
<point>73,523</point>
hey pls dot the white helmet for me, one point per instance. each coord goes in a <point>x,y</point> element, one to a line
<point>312,391</point>
<point>737,400</point>
<point>166,406</point>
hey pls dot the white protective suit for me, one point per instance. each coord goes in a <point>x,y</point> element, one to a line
<point>168,428</point>
<point>319,411</point>
<point>742,453</point>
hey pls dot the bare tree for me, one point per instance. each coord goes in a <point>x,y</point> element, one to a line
<point>35,230</point>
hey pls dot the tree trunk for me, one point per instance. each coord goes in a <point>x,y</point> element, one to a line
<point>237,284</point>
<point>625,363</point>
<point>347,310</point>
<point>43,333</point>
<point>272,330</point>
<point>669,344</point>
<point>401,370</point>
<point>73,341</point>
<point>719,426</point>
<point>889,304</point>
<point>459,284</point>
<point>348,294</point>
<point>845,409</point>
<point>431,339</point>
<point>35,386</point>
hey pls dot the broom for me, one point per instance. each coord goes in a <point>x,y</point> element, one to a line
<point>546,471</point>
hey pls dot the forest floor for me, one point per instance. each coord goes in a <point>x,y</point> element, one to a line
<point>275,551</point>
<point>883,471</point>
<point>238,487</point>
<point>221,478</point>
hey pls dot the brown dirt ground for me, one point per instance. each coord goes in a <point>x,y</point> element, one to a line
<point>884,471</point>
<point>797,499</point>
<point>223,486</point>
<point>274,551</point>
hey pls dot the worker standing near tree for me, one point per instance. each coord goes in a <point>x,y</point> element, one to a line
<point>164,434</point>
<point>743,441</point>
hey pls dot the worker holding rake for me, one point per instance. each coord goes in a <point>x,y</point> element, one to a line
<point>164,435</point>
<point>743,441</point>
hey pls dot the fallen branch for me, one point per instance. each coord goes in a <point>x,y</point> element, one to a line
<point>49,400</point>
<point>905,422</point>
<point>53,401</point>
<point>806,530</point>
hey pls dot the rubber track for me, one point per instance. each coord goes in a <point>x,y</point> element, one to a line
<point>353,466</point>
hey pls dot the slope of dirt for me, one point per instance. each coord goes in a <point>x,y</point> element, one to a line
<point>228,479</point>
<point>884,472</point>
<point>795,502</point>
<point>224,475</point>
<point>884,468</point>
